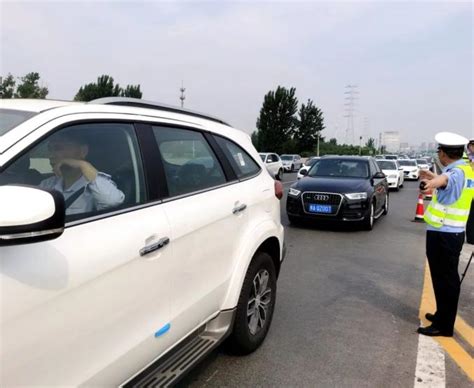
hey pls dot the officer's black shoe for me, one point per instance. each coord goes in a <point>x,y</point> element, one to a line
<point>430,317</point>
<point>433,331</point>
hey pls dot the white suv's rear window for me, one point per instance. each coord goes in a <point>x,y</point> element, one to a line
<point>10,118</point>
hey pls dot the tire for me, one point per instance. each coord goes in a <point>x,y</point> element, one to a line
<point>369,220</point>
<point>292,168</point>
<point>279,175</point>
<point>398,186</point>
<point>294,220</point>
<point>249,332</point>
<point>386,205</point>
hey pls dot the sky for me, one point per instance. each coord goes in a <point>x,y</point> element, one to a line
<point>412,61</point>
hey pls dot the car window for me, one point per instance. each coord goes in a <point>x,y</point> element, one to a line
<point>263,157</point>
<point>241,161</point>
<point>387,165</point>
<point>10,118</point>
<point>376,166</point>
<point>340,168</point>
<point>96,166</point>
<point>189,162</point>
<point>274,158</point>
<point>411,163</point>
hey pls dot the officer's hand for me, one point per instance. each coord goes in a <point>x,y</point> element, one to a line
<point>426,186</point>
<point>426,174</point>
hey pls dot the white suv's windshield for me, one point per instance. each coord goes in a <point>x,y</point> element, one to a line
<point>10,118</point>
<point>286,157</point>
<point>411,163</point>
<point>387,165</point>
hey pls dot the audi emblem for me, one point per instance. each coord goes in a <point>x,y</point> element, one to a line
<point>321,197</point>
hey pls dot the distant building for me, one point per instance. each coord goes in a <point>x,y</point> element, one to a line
<point>404,147</point>
<point>391,141</point>
<point>432,147</point>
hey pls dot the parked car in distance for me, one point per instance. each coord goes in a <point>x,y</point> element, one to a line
<point>291,162</point>
<point>340,189</point>
<point>273,164</point>
<point>379,157</point>
<point>306,166</point>
<point>393,171</point>
<point>391,157</point>
<point>423,164</point>
<point>410,169</point>
<point>135,237</point>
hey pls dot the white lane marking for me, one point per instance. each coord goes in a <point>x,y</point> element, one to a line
<point>430,364</point>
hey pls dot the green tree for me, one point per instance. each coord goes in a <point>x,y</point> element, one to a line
<point>29,87</point>
<point>7,87</point>
<point>105,87</point>
<point>132,91</point>
<point>370,143</point>
<point>254,138</point>
<point>310,123</point>
<point>276,123</point>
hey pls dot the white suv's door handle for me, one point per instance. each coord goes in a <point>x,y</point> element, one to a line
<point>155,246</point>
<point>239,208</point>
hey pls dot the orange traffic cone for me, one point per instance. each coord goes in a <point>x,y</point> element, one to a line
<point>420,211</point>
<point>429,195</point>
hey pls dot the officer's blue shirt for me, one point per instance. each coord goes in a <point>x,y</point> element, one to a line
<point>451,193</point>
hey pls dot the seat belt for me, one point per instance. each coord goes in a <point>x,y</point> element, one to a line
<point>72,198</point>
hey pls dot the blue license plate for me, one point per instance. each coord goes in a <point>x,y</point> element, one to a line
<point>313,208</point>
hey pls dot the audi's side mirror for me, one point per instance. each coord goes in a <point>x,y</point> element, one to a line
<point>379,175</point>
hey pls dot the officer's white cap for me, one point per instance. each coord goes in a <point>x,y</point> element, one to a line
<point>450,140</point>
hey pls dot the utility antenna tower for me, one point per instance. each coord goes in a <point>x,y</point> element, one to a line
<point>350,99</point>
<point>182,97</point>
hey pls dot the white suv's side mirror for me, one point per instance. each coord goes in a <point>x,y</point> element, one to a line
<point>29,214</point>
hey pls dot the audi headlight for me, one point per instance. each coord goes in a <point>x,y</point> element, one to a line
<point>356,195</point>
<point>294,192</point>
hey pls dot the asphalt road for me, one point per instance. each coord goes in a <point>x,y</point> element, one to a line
<point>347,309</point>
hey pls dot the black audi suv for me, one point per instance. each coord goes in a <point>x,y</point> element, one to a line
<point>340,188</point>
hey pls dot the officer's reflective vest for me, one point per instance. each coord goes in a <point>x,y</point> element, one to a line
<point>457,213</point>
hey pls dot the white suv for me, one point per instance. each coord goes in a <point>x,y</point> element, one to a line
<point>134,238</point>
<point>273,164</point>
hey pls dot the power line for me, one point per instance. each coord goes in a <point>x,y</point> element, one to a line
<point>182,97</point>
<point>349,104</point>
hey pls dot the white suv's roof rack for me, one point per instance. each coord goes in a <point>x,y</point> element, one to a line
<point>136,102</point>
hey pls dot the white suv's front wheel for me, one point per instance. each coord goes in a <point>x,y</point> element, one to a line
<point>256,304</point>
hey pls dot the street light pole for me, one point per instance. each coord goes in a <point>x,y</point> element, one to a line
<point>317,149</point>
<point>360,145</point>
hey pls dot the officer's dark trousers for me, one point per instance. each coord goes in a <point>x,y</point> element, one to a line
<point>443,250</point>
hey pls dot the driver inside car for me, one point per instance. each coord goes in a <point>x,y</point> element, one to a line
<point>84,188</point>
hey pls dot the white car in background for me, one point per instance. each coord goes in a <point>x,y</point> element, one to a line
<point>394,173</point>
<point>291,162</point>
<point>410,169</point>
<point>180,252</point>
<point>423,164</point>
<point>306,166</point>
<point>273,164</point>
<point>391,157</point>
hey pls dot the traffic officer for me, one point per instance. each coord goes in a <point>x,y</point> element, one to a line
<point>446,217</point>
<point>470,221</point>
